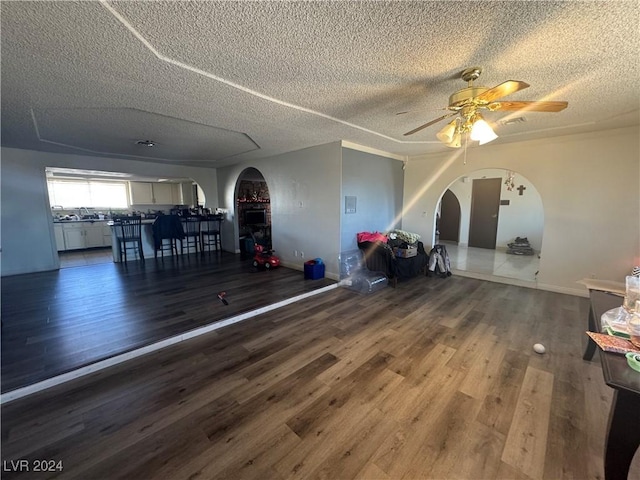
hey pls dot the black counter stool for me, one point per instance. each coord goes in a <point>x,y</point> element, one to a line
<point>166,230</point>
<point>129,231</point>
<point>191,228</point>
<point>210,232</point>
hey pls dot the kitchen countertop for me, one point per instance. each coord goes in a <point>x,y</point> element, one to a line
<point>92,220</point>
<point>145,221</point>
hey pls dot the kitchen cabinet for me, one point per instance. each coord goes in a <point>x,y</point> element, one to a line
<point>106,235</point>
<point>93,236</point>
<point>141,193</point>
<point>73,237</point>
<point>59,234</point>
<point>162,194</point>
<point>176,194</point>
<point>147,193</point>
<point>80,235</point>
<point>186,191</point>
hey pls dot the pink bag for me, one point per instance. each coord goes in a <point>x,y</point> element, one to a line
<point>371,237</point>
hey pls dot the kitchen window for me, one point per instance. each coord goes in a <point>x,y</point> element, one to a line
<point>70,194</point>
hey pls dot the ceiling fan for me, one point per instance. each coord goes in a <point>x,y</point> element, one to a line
<point>467,103</point>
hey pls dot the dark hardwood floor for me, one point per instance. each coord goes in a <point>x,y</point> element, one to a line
<point>54,322</point>
<point>435,379</point>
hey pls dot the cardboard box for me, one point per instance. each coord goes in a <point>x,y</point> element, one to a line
<point>406,252</point>
<point>313,270</point>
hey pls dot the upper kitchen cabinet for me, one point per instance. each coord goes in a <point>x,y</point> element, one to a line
<point>188,197</point>
<point>162,194</point>
<point>147,193</point>
<point>141,193</point>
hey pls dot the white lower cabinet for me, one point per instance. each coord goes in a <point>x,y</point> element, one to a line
<point>80,235</point>
<point>73,237</point>
<point>93,236</point>
<point>106,235</point>
<point>59,233</point>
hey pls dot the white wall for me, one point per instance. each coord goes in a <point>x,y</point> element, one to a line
<point>304,188</point>
<point>28,244</point>
<point>376,182</point>
<point>523,217</point>
<point>589,185</point>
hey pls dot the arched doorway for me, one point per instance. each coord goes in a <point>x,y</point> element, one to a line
<point>449,223</point>
<point>520,216</point>
<point>253,210</point>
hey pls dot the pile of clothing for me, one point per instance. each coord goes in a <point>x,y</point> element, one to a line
<point>439,262</point>
<point>520,247</point>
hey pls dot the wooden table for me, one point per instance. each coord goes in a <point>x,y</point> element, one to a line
<point>623,430</point>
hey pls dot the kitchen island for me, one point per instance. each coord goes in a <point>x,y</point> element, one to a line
<point>148,247</point>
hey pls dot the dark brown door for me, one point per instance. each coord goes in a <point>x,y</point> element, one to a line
<point>485,204</point>
<point>449,224</point>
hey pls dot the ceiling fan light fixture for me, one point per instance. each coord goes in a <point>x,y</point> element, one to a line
<point>482,132</point>
<point>456,142</point>
<point>447,134</point>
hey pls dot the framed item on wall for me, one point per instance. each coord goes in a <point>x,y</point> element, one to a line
<point>350,204</point>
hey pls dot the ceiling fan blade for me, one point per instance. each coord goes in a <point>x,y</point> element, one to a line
<point>499,91</point>
<point>430,123</point>
<point>529,106</point>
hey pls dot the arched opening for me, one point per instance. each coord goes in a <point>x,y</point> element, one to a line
<point>253,210</point>
<point>448,221</point>
<point>501,223</point>
<point>96,196</point>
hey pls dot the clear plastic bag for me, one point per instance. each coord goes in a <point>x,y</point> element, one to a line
<point>355,276</point>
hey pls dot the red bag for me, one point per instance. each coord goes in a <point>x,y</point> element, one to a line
<point>371,237</point>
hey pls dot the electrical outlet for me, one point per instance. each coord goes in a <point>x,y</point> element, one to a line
<point>295,253</point>
<point>302,254</point>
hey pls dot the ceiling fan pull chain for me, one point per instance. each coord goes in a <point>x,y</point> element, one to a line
<point>466,141</point>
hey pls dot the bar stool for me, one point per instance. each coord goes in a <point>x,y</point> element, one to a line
<point>191,228</point>
<point>166,228</point>
<point>210,232</point>
<point>129,231</point>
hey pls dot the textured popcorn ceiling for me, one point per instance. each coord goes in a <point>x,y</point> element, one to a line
<point>218,82</point>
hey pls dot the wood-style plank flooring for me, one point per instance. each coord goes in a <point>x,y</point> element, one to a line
<point>54,322</point>
<point>435,379</point>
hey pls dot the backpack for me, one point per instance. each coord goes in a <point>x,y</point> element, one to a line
<point>439,262</point>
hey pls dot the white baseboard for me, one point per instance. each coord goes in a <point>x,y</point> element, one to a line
<point>578,292</point>
<point>522,283</point>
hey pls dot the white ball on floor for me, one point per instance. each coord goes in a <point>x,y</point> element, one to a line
<point>539,348</point>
